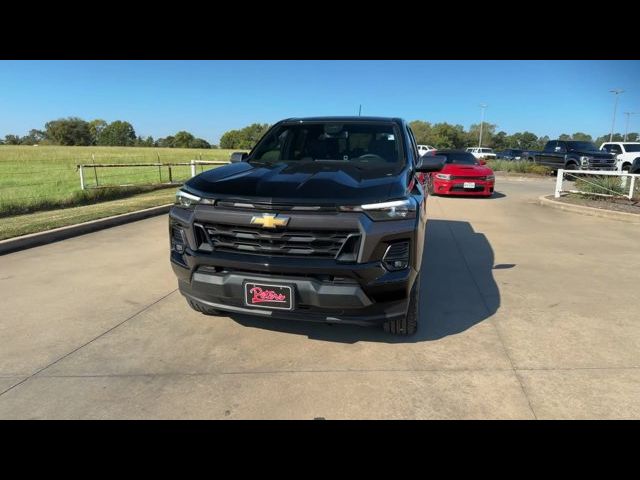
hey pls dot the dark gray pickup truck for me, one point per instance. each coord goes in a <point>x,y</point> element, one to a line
<point>572,155</point>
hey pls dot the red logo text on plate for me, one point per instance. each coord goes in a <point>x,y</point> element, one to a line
<point>260,295</point>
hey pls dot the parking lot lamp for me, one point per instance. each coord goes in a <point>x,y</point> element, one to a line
<point>617,91</point>
<point>482,106</point>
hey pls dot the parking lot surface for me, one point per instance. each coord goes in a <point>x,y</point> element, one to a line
<point>527,312</point>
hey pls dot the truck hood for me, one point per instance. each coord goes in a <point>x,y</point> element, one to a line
<point>315,182</point>
<point>592,153</point>
<point>470,170</point>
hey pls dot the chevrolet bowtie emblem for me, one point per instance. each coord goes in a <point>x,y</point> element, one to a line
<point>269,220</point>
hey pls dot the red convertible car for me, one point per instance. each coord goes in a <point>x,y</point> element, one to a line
<point>462,174</point>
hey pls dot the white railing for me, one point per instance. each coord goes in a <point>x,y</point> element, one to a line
<point>626,179</point>
<point>169,175</point>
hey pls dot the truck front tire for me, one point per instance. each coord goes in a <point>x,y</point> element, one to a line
<point>407,325</point>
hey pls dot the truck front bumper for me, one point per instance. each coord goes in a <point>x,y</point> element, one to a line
<point>332,300</point>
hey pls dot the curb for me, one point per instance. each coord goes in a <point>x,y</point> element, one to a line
<point>34,239</point>
<point>521,178</point>
<point>591,211</point>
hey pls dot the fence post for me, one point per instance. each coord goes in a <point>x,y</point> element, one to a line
<point>170,176</point>
<point>95,173</point>
<point>633,184</point>
<point>81,178</point>
<point>193,168</point>
<point>559,182</point>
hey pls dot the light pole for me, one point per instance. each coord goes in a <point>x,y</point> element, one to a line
<point>617,91</point>
<point>626,130</point>
<point>482,106</point>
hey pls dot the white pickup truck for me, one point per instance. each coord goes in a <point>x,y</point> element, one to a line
<point>625,152</point>
<point>479,153</point>
<point>424,149</point>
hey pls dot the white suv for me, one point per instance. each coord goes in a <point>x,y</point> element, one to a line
<point>625,152</point>
<point>479,152</point>
<point>424,149</point>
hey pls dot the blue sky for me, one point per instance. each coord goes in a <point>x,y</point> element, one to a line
<point>209,97</point>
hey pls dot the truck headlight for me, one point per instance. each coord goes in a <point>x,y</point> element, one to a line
<point>188,200</point>
<point>584,160</point>
<point>394,210</point>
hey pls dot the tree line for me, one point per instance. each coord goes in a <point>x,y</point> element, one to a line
<point>444,135</point>
<point>76,131</point>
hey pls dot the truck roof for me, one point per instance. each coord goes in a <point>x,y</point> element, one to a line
<point>353,118</point>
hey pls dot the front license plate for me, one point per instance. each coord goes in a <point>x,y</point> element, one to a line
<point>469,185</point>
<point>264,295</point>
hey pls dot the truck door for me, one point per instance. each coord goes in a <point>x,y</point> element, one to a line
<point>557,159</point>
<point>547,156</point>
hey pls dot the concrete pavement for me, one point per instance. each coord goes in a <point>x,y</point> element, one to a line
<point>527,313</point>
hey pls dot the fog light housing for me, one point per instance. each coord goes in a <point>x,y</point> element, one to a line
<point>178,239</point>
<point>397,256</point>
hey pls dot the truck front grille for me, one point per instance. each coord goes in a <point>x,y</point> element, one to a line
<point>463,177</point>
<point>303,243</point>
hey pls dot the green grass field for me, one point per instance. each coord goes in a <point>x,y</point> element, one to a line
<point>40,221</point>
<point>45,177</point>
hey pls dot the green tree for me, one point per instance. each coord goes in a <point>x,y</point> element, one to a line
<point>524,140</point>
<point>445,135</point>
<point>34,137</point>
<point>583,137</point>
<point>617,137</point>
<point>245,138</point>
<point>183,139</point>
<point>422,131</point>
<point>540,144</point>
<point>96,127</point>
<point>230,139</point>
<point>12,140</point>
<point>69,131</point>
<point>166,142</point>
<point>252,134</point>
<point>564,136</point>
<point>488,131</point>
<point>501,140</point>
<point>117,133</point>
<point>199,143</point>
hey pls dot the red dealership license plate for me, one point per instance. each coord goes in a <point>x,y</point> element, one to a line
<point>264,295</point>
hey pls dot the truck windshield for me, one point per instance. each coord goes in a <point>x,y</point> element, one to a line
<point>631,147</point>
<point>459,158</point>
<point>581,146</point>
<point>363,145</point>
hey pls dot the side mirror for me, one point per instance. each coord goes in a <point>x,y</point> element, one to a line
<point>482,161</point>
<point>238,157</point>
<point>430,163</point>
<point>557,149</point>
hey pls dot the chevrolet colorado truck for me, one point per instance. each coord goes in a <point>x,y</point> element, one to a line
<point>572,155</point>
<point>323,220</point>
